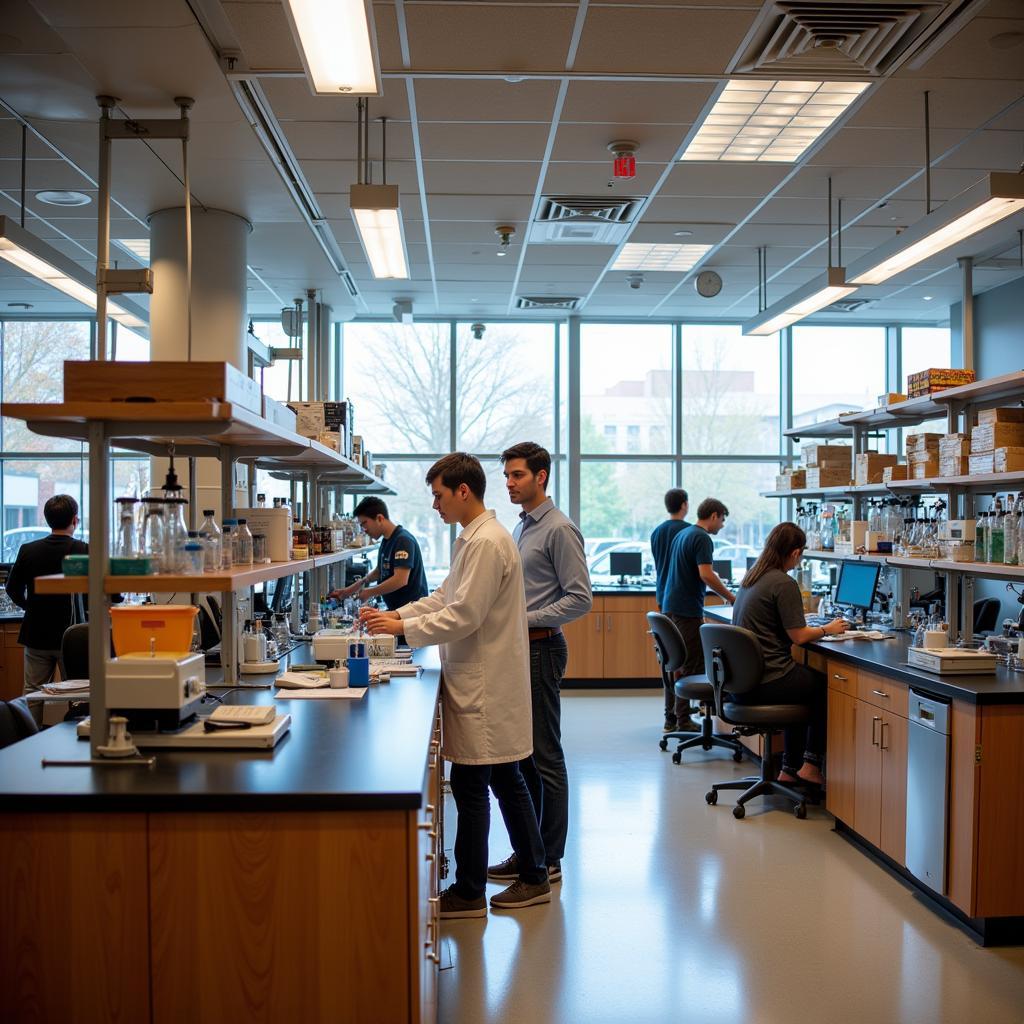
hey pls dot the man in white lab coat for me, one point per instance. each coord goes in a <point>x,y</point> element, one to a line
<point>478,616</point>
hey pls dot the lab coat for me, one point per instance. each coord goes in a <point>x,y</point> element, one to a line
<point>478,617</point>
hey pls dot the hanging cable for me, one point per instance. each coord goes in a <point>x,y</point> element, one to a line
<point>927,156</point>
<point>839,231</point>
<point>359,141</point>
<point>184,104</point>
<point>24,150</point>
<point>383,149</point>
<point>830,222</point>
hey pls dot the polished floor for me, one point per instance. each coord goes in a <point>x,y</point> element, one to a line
<point>673,911</point>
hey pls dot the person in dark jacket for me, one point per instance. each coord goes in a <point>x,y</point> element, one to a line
<point>46,617</point>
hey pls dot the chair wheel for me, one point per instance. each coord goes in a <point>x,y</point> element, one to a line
<point>711,797</point>
<point>738,811</point>
<point>663,744</point>
<point>800,811</point>
<point>677,758</point>
<point>737,756</point>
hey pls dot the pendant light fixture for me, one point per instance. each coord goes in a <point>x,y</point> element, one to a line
<point>338,45</point>
<point>375,209</point>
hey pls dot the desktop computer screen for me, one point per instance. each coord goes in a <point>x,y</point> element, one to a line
<point>723,569</point>
<point>857,583</point>
<point>626,563</point>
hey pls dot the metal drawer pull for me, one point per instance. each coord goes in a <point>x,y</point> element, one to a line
<point>433,899</point>
<point>842,679</point>
<point>435,958</point>
<point>874,719</point>
<point>880,693</point>
<point>428,857</point>
<point>883,744</point>
<point>426,826</point>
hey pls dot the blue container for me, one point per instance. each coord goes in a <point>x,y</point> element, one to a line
<point>358,671</point>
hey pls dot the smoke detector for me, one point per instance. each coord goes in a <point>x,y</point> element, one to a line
<point>505,233</point>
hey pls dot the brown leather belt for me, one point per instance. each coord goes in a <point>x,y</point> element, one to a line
<point>544,634</point>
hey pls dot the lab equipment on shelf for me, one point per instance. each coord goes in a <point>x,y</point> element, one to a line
<point>213,538</point>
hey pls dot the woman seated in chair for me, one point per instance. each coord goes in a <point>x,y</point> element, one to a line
<point>768,603</point>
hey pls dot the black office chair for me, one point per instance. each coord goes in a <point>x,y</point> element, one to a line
<point>74,652</point>
<point>735,664</point>
<point>670,650</point>
<point>16,721</point>
<point>986,614</point>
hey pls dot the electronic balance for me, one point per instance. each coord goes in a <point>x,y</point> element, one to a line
<point>157,690</point>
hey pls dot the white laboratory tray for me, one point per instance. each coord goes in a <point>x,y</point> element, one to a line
<point>952,661</point>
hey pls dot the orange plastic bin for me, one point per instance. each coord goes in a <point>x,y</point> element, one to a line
<point>167,626</point>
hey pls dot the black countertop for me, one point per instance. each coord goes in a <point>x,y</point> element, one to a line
<point>889,658</point>
<point>369,754</point>
<point>16,616</point>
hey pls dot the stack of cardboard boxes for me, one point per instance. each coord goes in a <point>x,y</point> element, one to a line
<point>923,455</point>
<point>827,465</point>
<point>791,480</point>
<point>927,382</point>
<point>954,453</point>
<point>330,423</point>
<point>997,441</point>
<point>869,467</point>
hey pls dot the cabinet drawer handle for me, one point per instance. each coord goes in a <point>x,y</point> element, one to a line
<point>883,744</point>
<point>874,720</point>
<point>433,899</point>
<point>597,623</point>
<point>434,957</point>
<point>427,826</point>
<point>608,623</point>
<point>428,857</point>
<point>429,809</point>
<point>880,693</point>
<point>842,679</point>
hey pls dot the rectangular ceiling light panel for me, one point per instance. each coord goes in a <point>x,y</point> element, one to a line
<point>814,295</point>
<point>771,122</point>
<point>138,247</point>
<point>659,256</point>
<point>986,203</point>
<point>338,44</point>
<point>34,257</point>
<point>379,223</point>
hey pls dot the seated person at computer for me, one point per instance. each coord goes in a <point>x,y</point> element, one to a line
<point>769,605</point>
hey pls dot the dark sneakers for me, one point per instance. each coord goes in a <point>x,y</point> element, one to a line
<point>508,871</point>
<point>521,894</point>
<point>683,725</point>
<point>454,906</point>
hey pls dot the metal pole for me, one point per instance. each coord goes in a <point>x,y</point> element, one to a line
<point>575,419</point>
<point>312,346</point>
<point>229,617</point>
<point>99,553</point>
<point>24,150</point>
<point>184,104</point>
<point>103,230</point>
<point>830,222</point>
<point>839,231</point>
<point>927,156</point>
<point>967,311</point>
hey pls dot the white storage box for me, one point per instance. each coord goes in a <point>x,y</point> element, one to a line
<point>275,524</point>
<point>278,413</point>
<point>141,680</point>
<point>952,661</point>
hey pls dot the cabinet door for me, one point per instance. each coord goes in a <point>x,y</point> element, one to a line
<point>867,787</point>
<point>842,755</point>
<point>628,648</point>
<point>893,823</point>
<point>12,678</point>
<point>585,638</point>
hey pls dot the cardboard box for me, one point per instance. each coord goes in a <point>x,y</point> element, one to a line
<point>955,446</point>
<point>1011,415</point>
<point>792,479</point>
<point>89,381</point>
<point>923,442</point>
<point>897,472</point>
<point>983,463</point>
<point>330,439</point>
<point>937,379</point>
<point>954,465</point>
<point>828,476</point>
<point>356,454</point>
<point>312,418</point>
<point>275,524</point>
<point>1008,460</point>
<point>278,413</point>
<point>891,398</point>
<point>815,454</point>
<point>989,436</point>
<point>868,467</point>
<point>924,470</point>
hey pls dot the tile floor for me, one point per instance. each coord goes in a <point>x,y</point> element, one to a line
<point>673,911</point>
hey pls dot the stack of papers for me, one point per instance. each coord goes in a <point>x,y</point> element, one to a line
<point>70,687</point>
<point>860,634</point>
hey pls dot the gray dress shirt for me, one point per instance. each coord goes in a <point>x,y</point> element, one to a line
<point>554,567</point>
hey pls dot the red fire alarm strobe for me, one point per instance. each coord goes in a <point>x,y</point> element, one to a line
<point>624,158</point>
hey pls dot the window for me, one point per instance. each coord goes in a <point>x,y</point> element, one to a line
<point>625,379</point>
<point>730,391</point>
<point>633,438</point>
<point>836,370</point>
<point>622,501</point>
<point>398,378</point>
<point>285,380</point>
<point>131,347</point>
<point>27,485</point>
<point>923,348</point>
<point>505,386</point>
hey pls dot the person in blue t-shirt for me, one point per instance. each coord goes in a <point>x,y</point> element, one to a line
<point>688,577</point>
<point>677,504</point>
<point>399,575</point>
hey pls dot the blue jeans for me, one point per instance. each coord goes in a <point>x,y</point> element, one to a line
<point>469,788</point>
<point>545,772</point>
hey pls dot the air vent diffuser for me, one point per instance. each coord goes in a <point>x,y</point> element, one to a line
<point>547,302</point>
<point>848,305</point>
<point>586,220</point>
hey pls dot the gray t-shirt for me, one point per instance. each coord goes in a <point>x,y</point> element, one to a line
<point>768,608</point>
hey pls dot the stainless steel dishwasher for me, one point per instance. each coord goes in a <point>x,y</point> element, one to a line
<point>928,789</point>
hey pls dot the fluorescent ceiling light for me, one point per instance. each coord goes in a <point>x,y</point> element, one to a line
<point>760,121</point>
<point>814,295</point>
<point>137,247</point>
<point>338,44</point>
<point>379,223</point>
<point>659,256</point>
<point>983,204</point>
<point>32,255</point>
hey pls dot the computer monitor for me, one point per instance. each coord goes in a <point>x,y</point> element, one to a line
<point>626,563</point>
<point>857,583</point>
<point>723,568</point>
<point>751,559</point>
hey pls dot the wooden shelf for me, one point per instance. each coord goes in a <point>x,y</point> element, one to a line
<point>831,556</point>
<point>215,582</point>
<point>320,561</point>
<point>829,492</point>
<point>980,482</point>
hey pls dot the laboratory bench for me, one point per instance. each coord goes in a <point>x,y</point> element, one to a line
<point>870,711</point>
<point>293,883</point>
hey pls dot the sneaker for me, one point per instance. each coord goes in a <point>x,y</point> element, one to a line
<point>685,725</point>
<point>452,905</point>
<point>522,894</point>
<point>508,871</point>
<point>670,723</point>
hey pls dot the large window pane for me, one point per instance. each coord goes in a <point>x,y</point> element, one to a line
<point>626,388</point>
<point>285,380</point>
<point>28,485</point>
<point>33,371</point>
<point>398,378</point>
<point>131,347</point>
<point>836,370</point>
<point>505,386</point>
<point>730,392</point>
<point>923,348</point>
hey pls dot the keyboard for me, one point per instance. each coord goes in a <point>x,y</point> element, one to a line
<point>254,714</point>
<point>817,620</point>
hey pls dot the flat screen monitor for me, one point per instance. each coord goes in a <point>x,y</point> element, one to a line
<point>857,583</point>
<point>723,568</point>
<point>626,563</point>
<point>751,559</point>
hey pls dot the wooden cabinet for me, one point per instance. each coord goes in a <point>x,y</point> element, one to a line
<point>612,642</point>
<point>867,802</point>
<point>842,755</point>
<point>12,663</point>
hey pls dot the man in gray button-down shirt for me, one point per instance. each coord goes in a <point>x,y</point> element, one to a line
<point>557,592</point>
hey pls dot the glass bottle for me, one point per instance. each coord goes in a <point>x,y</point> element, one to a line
<point>127,545</point>
<point>1011,524</point>
<point>261,501</point>
<point>154,532</point>
<point>980,544</point>
<point>300,541</point>
<point>176,536</point>
<point>212,541</point>
<point>227,547</point>
<point>994,538</point>
<point>242,544</point>
<point>191,562</point>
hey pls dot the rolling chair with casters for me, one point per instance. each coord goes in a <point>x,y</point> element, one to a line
<point>735,664</point>
<point>74,652</point>
<point>670,650</point>
<point>16,721</point>
<point>986,612</point>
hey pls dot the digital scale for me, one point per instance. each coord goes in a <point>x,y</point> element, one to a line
<point>952,660</point>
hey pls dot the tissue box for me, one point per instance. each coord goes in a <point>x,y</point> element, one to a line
<point>989,436</point>
<point>826,454</point>
<point>1008,460</point>
<point>278,413</point>
<point>869,466</point>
